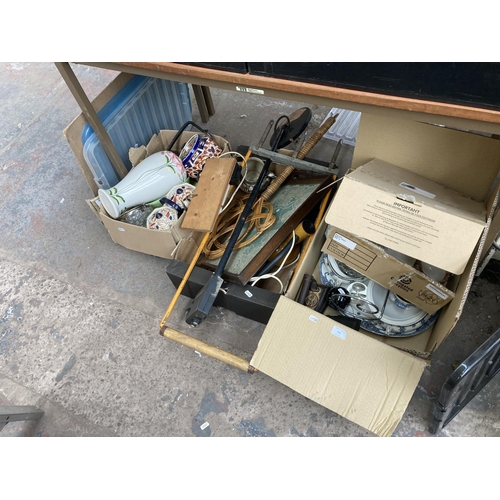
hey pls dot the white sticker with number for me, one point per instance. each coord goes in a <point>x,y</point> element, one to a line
<point>249,90</point>
<point>338,332</point>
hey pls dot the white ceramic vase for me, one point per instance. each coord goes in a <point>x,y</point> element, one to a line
<point>146,182</point>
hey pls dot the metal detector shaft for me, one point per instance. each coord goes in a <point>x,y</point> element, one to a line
<point>203,302</point>
<point>241,221</point>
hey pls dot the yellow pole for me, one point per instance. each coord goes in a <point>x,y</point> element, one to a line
<point>184,280</point>
<point>317,222</point>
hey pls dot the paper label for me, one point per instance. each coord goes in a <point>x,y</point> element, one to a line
<point>314,319</point>
<point>358,257</point>
<point>438,292</point>
<point>417,190</point>
<point>249,90</point>
<point>248,293</point>
<point>121,229</point>
<point>344,241</point>
<point>338,332</point>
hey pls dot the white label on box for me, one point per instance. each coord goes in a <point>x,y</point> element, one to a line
<point>439,293</point>
<point>249,90</point>
<point>314,319</point>
<point>338,332</point>
<point>121,229</point>
<point>344,241</point>
<point>417,190</point>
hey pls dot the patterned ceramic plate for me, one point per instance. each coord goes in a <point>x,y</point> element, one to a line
<point>162,218</point>
<point>181,194</point>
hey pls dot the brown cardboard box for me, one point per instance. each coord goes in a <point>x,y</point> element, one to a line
<point>364,377</point>
<point>165,244</point>
<point>375,263</point>
<point>404,211</point>
<point>178,243</point>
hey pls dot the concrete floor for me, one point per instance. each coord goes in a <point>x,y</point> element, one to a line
<point>79,314</point>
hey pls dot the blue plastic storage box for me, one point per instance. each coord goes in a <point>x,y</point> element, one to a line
<point>140,109</point>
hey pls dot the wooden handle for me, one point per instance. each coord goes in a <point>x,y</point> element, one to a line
<point>304,151</point>
<point>317,222</point>
<point>209,350</point>
<point>315,138</point>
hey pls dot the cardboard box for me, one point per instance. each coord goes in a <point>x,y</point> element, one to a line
<point>178,243</point>
<point>406,212</point>
<point>375,263</point>
<point>367,378</point>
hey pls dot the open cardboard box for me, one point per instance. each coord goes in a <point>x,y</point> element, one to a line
<point>367,378</point>
<point>177,243</point>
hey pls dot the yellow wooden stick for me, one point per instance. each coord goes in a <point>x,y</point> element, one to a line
<point>209,350</point>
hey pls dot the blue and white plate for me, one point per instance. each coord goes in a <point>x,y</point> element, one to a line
<point>392,317</point>
<point>399,318</point>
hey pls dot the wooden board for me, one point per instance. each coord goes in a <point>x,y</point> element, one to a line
<point>207,199</point>
<point>203,75</point>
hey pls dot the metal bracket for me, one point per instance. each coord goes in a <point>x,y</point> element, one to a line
<point>292,162</point>
<point>18,413</point>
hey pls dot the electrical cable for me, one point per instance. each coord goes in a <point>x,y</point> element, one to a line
<point>242,180</point>
<point>273,275</point>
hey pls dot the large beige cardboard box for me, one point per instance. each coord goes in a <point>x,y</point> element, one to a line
<point>406,212</point>
<point>367,378</point>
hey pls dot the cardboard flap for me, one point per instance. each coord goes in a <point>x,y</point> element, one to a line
<point>418,190</point>
<point>449,157</point>
<point>356,376</point>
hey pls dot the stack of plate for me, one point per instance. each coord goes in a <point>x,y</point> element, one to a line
<point>380,310</point>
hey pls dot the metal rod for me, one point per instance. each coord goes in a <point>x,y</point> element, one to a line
<point>333,161</point>
<point>291,161</point>
<point>246,210</point>
<point>10,413</point>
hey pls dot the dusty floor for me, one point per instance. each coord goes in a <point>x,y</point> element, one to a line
<point>79,314</point>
